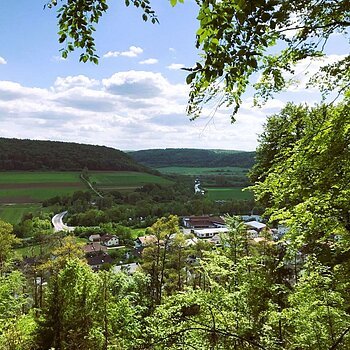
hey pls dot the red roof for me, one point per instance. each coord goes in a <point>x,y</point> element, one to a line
<point>204,221</point>
<point>93,247</point>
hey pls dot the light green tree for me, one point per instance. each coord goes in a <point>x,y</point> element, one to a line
<point>7,241</point>
<point>70,317</point>
<point>16,326</point>
<point>156,254</point>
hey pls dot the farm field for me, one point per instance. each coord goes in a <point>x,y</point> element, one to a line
<point>197,171</point>
<point>13,213</point>
<point>228,193</point>
<point>124,180</point>
<point>34,187</point>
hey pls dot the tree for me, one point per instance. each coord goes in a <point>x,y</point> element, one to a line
<point>235,39</point>
<point>306,185</point>
<point>316,317</point>
<point>281,131</point>
<point>76,20</point>
<point>70,318</point>
<point>16,327</point>
<point>230,308</point>
<point>155,256</point>
<point>7,241</point>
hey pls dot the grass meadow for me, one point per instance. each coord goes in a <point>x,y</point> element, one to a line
<point>13,213</point>
<point>35,187</point>
<point>228,193</point>
<point>124,180</point>
<point>193,171</point>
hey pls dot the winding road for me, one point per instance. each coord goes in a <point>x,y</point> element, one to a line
<point>58,225</point>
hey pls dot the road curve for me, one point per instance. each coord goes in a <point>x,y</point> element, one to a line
<point>58,225</point>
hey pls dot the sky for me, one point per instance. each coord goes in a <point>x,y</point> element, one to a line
<point>136,97</point>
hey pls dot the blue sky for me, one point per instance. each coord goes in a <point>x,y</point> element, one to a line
<point>135,98</point>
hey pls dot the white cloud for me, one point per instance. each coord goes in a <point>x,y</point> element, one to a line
<point>149,61</point>
<point>128,110</point>
<point>133,51</point>
<point>65,83</point>
<point>175,66</point>
<point>2,60</point>
<point>171,49</point>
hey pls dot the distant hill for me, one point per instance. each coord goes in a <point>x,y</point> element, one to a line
<point>188,157</point>
<point>16,154</point>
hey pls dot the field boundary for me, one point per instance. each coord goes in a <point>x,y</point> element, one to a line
<point>90,185</point>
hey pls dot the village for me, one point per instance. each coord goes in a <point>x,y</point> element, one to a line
<point>206,228</point>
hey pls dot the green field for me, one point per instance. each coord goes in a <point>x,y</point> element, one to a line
<point>13,213</point>
<point>228,193</point>
<point>195,171</point>
<point>34,187</point>
<point>124,180</point>
<point>23,177</point>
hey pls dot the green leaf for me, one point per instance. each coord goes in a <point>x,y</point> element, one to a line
<point>190,77</point>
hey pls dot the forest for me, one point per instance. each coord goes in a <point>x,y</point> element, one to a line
<point>16,154</point>
<point>158,158</point>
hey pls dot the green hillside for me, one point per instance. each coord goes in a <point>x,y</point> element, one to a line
<point>16,154</point>
<point>187,157</point>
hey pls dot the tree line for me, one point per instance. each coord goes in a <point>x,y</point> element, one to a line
<point>193,158</point>
<point>16,154</point>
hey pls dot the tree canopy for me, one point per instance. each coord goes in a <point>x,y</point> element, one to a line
<point>302,174</point>
<point>238,41</point>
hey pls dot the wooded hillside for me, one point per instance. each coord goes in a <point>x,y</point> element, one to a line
<point>193,157</point>
<point>16,154</point>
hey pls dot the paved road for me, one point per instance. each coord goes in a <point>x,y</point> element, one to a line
<point>58,225</point>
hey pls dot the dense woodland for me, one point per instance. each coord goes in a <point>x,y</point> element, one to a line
<point>16,154</point>
<point>193,158</point>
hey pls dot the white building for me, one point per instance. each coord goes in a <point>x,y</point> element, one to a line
<point>110,240</point>
<point>209,232</point>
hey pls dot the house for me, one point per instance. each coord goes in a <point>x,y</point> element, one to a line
<point>94,247</point>
<point>209,232</point>
<point>109,240</point>
<point>252,233</point>
<point>216,239</point>
<point>201,222</point>
<point>255,225</point>
<point>191,241</point>
<point>145,241</point>
<point>97,259</point>
<point>94,238</point>
<point>129,269</point>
